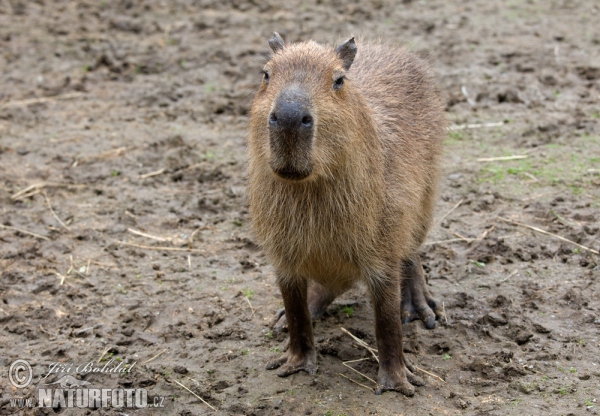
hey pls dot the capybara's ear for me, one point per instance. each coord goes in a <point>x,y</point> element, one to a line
<point>347,51</point>
<point>276,43</point>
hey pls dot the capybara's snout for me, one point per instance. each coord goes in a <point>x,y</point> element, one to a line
<point>291,132</point>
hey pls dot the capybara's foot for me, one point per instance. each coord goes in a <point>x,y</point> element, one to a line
<point>417,301</point>
<point>279,322</point>
<point>399,379</point>
<point>292,363</point>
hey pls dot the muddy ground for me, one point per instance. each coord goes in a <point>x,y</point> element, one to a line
<point>122,130</point>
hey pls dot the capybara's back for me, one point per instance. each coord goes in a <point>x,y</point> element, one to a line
<point>344,154</point>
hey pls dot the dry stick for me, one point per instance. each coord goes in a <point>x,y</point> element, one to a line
<point>372,351</point>
<point>502,158</point>
<point>362,343</point>
<point>103,354</point>
<point>201,399</point>
<point>475,126</point>
<point>249,304</point>
<point>27,195</point>
<point>430,374</point>
<point>153,358</point>
<point>62,278</point>
<point>191,237</point>
<point>153,237</point>
<point>9,227</point>
<point>41,100</point>
<point>29,188</point>
<point>364,375</point>
<point>189,250</point>
<point>356,382</point>
<point>91,328</point>
<point>451,209</point>
<point>468,240</point>
<point>485,233</point>
<point>451,240</point>
<point>508,277</point>
<point>471,101</point>
<point>105,155</point>
<point>530,176</point>
<point>54,213</point>
<point>155,173</point>
<point>539,230</point>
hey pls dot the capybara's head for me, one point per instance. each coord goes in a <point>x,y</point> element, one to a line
<point>300,112</point>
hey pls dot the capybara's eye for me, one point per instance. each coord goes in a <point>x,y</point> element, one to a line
<point>339,82</point>
<point>266,77</point>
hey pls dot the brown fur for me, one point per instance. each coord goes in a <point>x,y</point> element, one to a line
<point>367,205</point>
<point>376,157</point>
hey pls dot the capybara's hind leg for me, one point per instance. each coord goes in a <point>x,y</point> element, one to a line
<point>319,298</point>
<point>417,301</point>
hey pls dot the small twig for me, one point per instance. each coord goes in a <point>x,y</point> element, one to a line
<point>356,382</point>
<point>115,152</point>
<point>462,237</point>
<point>103,354</point>
<point>508,277</point>
<point>502,158</point>
<point>8,227</point>
<point>71,267</point>
<point>45,331</point>
<point>451,240</point>
<point>451,209</point>
<point>530,176</point>
<point>431,374</point>
<point>364,375</point>
<point>155,173</point>
<point>152,237</point>
<point>249,304</point>
<point>189,262</point>
<point>41,99</point>
<point>485,233</point>
<point>62,278</point>
<point>201,399</point>
<point>87,268</point>
<point>464,91</point>
<point>539,230</point>
<point>362,343</point>
<point>189,250</point>
<point>476,125</point>
<point>154,358</point>
<point>91,328</point>
<point>191,237</point>
<point>54,213</point>
<point>27,195</point>
<point>34,187</point>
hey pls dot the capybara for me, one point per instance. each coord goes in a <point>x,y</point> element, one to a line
<point>344,157</point>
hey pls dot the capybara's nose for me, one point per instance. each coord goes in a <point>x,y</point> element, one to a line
<point>292,113</point>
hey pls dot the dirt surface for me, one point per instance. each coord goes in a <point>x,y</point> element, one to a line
<point>122,130</point>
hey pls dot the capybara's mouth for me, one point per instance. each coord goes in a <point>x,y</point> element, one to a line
<point>292,174</point>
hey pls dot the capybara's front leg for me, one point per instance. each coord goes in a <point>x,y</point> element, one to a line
<point>301,354</point>
<point>393,372</point>
<point>319,298</point>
